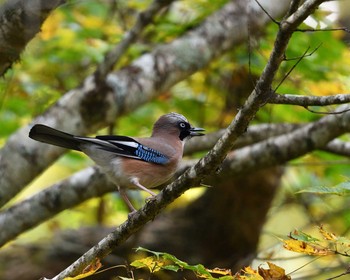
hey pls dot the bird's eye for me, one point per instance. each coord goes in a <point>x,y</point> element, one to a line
<point>182,125</point>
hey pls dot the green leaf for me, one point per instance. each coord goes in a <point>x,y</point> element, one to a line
<point>302,236</point>
<point>162,262</point>
<point>342,189</point>
<point>174,268</point>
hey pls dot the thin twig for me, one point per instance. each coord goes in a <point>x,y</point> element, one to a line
<point>291,69</point>
<point>305,54</point>
<point>340,275</point>
<point>347,30</point>
<point>267,13</point>
<point>326,113</point>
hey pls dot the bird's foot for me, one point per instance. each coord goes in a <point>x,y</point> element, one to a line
<point>131,214</point>
<point>150,198</point>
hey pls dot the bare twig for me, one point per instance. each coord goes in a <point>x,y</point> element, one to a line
<point>291,69</point>
<point>340,275</point>
<point>305,54</point>
<point>345,29</point>
<point>327,113</point>
<point>266,12</point>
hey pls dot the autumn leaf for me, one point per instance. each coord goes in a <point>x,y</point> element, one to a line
<point>152,263</point>
<point>273,273</point>
<point>88,271</point>
<point>250,274</point>
<point>327,235</point>
<point>299,246</point>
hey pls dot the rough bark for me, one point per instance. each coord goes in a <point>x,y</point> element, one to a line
<point>20,21</point>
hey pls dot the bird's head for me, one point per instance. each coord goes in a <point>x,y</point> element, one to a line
<point>175,124</point>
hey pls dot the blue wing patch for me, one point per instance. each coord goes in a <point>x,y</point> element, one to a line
<point>150,155</point>
<point>127,147</point>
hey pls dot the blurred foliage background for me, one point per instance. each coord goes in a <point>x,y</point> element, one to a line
<point>77,35</point>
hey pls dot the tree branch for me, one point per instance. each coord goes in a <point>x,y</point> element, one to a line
<point>20,20</point>
<point>143,19</point>
<point>305,101</point>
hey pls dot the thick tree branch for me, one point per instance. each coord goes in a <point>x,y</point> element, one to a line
<point>208,164</point>
<point>20,20</point>
<point>305,101</point>
<point>142,21</point>
<point>92,106</point>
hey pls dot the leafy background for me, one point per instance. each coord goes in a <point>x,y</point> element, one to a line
<point>77,35</point>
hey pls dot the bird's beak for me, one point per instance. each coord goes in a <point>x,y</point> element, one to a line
<point>195,131</point>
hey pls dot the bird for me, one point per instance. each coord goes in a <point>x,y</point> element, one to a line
<point>130,162</point>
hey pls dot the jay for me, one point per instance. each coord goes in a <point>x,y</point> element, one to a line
<point>130,162</point>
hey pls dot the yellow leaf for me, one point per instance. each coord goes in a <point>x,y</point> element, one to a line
<point>251,274</point>
<point>327,235</point>
<point>88,271</point>
<point>306,248</point>
<point>151,263</point>
<point>220,271</point>
<point>273,273</point>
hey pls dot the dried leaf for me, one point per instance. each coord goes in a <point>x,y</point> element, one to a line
<point>306,248</point>
<point>251,274</point>
<point>220,271</point>
<point>88,271</point>
<point>273,273</point>
<point>327,235</point>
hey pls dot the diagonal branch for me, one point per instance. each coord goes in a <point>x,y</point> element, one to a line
<point>208,164</point>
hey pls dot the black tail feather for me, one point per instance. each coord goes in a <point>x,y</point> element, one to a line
<point>55,137</point>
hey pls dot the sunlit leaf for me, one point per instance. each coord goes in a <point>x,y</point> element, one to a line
<point>273,273</point>
<point>161,260</point>
<point>250,274</point>
<point>152,263</point>
<point>342,189</point>
<point>302,236</point>
<point>327,235</point>
<point>299,246</point>
<point>88,271</point>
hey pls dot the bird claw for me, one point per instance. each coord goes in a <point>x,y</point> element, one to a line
<point>150,198</point>
<point>132,213</point>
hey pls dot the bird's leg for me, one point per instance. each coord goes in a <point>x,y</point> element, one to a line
<point>126,200</point>
<point>137,184</point>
